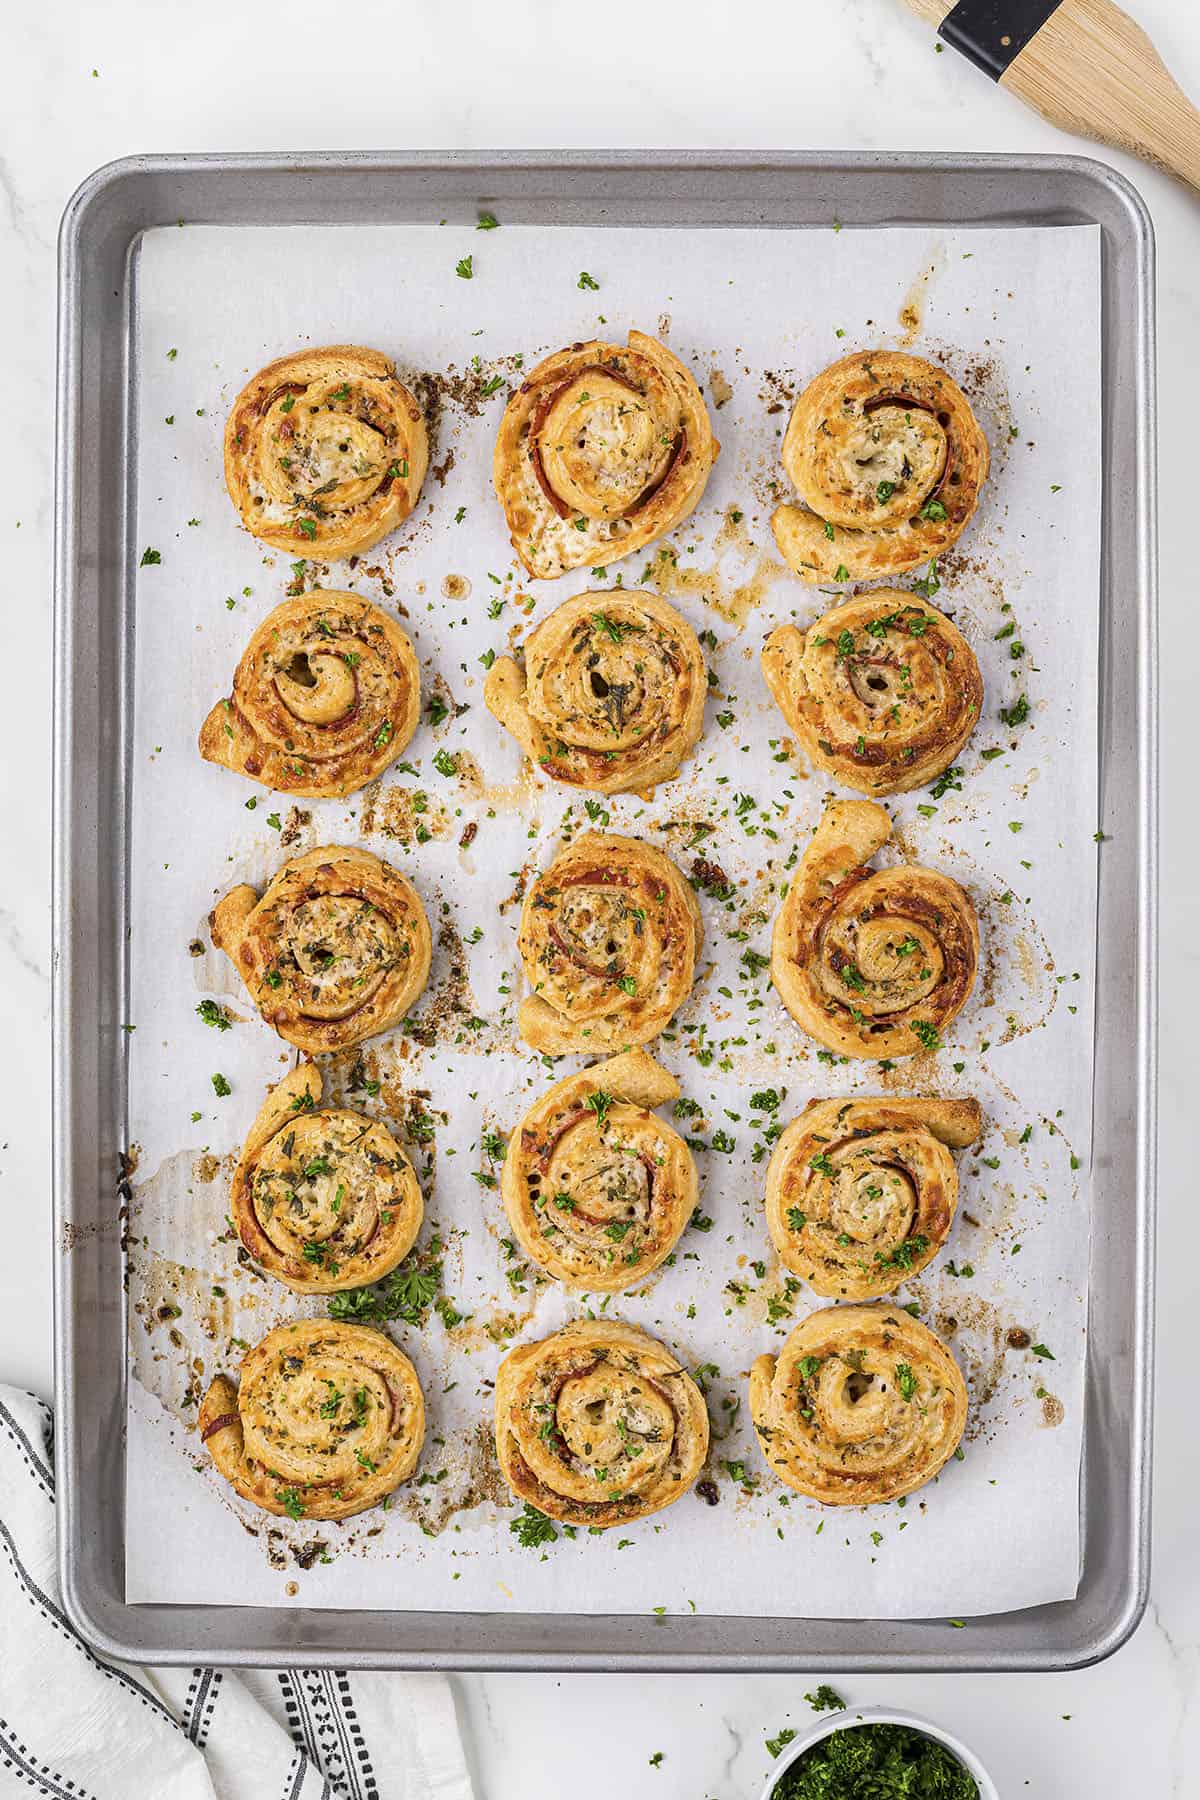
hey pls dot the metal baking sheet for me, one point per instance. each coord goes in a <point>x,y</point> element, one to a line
<point>669,191</point>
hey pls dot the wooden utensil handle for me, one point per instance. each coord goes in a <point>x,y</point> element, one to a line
<point>1092,70</point>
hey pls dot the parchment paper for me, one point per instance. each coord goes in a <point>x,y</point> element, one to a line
<point>1015,315</point>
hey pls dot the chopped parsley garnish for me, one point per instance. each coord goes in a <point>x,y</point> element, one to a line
<point>587,281</point>
<point>533,1528</point>
<point>212,1014</point>
<point>600,1102</point>
<point>609,628</point>
<point>465,267</point>
<point>221,1087</point>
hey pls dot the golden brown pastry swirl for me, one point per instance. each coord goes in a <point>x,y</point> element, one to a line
<point>863,1404</point>
<point>325,452</point>
<point>326,695</point>
<point>611,697</point>
<point>322,1198</point>
<point>861,1193</point>
<point>889,460</point>
<point>325,1421</point>
<point>601,449</point>
<point>598,1425</point>
<point>882,692</point>
<point>871,962</point>
<point>335,951</point>
<point>609,938</point>
<point>597,1189</point>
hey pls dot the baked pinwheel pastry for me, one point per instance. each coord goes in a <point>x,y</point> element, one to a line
<point>597,1189</point>
<point>598,1425</point>
<point>601,449</point>
<point>325,1421</point>
<point>611,697</point>
<point>863,1404</point>
<point>871,962</point>
<point>609,939</point>
<point>882,692</point>
<point>326,695</point>
<point>322,1198</point>
<point>325,452</point>
<point>888,459</point>
<point>335,951</point>
<point>861,1193</point>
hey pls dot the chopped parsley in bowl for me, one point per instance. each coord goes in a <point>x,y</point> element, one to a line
<point>884,1755</point>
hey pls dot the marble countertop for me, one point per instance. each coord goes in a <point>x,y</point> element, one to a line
<point>84,87</point>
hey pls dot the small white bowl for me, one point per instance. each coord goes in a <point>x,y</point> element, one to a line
<point>880,1715</point>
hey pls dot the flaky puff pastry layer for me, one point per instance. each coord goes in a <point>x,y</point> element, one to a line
<point>327,693</point>
<point>611,694</point>
<point>871,962</point>
<point>863,1404</point>
<point>322,1198</point>
<point>597,1189</point>
<point>609,939</point>
<point>325,1420</point>
<point>325,452</point>
<point>882,692</point>
<point>601,450</point>
<point>598,1425</point>
<point>336,949</point>
<point>861,1193</point>
<point>889,461</point>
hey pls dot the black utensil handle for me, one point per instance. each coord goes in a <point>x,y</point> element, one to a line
<point>993,33</point>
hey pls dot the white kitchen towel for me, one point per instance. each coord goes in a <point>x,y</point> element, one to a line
<point>77,1727</point>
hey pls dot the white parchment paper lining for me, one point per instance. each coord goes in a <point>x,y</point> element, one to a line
<point>1015,315</point>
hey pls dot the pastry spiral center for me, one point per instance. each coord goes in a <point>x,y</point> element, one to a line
<point>883,964</point>
<point>603,445</point>
<point>607,1418</point>
<point>877,467</point>
<point>321,1417</point>
<point>598,1183</point>
<point>858,1404</point>
<point>317,686</point>
<point>610,685</point>
<point>871,1201</point>
<point>319,1187</point>
<point>320,447</point>
<point>600,931</point>
<point>343,946</point>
